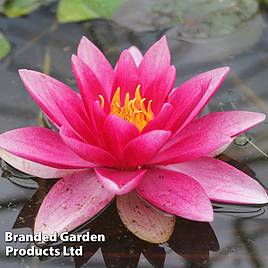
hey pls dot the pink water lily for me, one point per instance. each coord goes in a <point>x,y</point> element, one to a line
<point>128,133</point>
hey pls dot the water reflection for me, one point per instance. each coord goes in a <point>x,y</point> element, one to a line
<point>191,240</point>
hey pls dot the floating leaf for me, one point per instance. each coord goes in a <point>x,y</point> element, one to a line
<point>79,10</point>
<point>17,8</point>
<point>4,46</point>
<point>263,2</point>
<point>197,18</point>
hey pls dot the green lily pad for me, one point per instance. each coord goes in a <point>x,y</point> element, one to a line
<point>264,2</point>
<point>17,8</point>
<point>201,18</point>
<point>79,10</point>
<point>4,46</point>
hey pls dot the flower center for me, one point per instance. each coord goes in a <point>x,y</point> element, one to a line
<point>134,111</point>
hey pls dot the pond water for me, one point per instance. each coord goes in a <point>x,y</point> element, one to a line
<point>238,237</point>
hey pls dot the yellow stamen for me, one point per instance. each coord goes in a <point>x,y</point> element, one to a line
<point>127,100</point>
<point>102,101</point>
<point>134,110</point>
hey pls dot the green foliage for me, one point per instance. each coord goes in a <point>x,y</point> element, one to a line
<point>17,8</point>
<point>263,2</point>
<point>4,46</point>
<point>79,10</point>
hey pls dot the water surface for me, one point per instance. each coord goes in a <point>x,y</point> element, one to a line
<point>234,239</point>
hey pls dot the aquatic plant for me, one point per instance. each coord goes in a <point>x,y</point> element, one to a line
<point>130,134</point>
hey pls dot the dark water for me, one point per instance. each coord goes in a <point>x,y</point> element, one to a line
<point>238,237</point>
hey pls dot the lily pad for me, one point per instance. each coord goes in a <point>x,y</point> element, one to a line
<point>199,17</point>
<point>4,46</point>
<point>200,50</point>
<point>17,8</point>
<point>79,10</point>
<point>264,2</point>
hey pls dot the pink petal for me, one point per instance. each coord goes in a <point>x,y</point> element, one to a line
<point>126,76</point>
<point>89,152</point>
<point>222,182</point>
<point>119,181</point>
<point>230,123</point>
<point>143,220</point>
<point>71,202</point>
<point>142,149</point>
<point>42,146</point>
<point>184,99</point>
<point>34,169</point>
<point>40,86</point>
<point>88,83</point>
<point>176,193</point>
<point>159,121</point>
<point>73,117</point>
<point>98,118</point>
<point>117,133</point>
<point>159,88</point>
<point>219,150</point>
<point>95,59</point>
<point>154,62</point>
<point>210,81</point>
<point>136,54</point>
<point>191,147</point>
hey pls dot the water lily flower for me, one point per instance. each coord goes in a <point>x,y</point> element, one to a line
<point>130,134</point>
